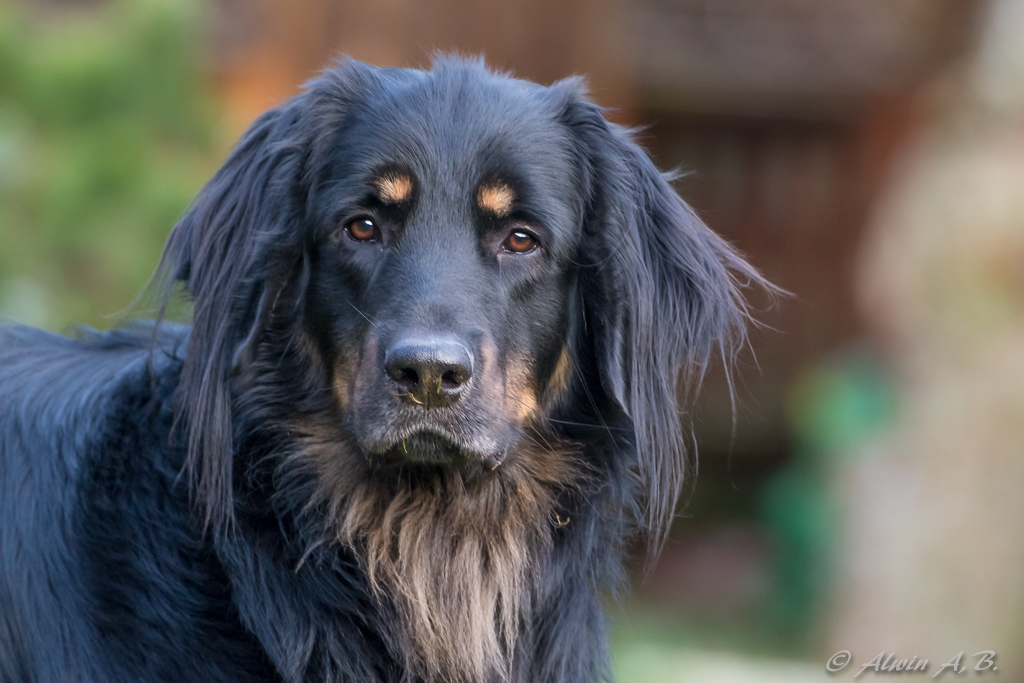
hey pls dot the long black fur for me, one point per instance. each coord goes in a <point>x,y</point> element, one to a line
<point>217,502</point>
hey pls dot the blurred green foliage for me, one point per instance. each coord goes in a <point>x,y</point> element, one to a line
<point>106,133</point>
<point>834,408</point>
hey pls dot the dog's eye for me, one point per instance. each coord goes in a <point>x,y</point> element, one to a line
<point>520,242</point>
<point>363,230</point>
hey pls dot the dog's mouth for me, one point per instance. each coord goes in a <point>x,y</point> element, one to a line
<point>425,448</point>
<point>430,448</point>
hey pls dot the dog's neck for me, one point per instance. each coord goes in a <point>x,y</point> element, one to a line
<point>450,570</point>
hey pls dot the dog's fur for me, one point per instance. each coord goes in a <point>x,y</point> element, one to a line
<point>252,498</point>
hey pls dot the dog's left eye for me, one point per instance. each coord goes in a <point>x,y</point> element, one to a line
<point>363,230</point>
<point>519,242</point>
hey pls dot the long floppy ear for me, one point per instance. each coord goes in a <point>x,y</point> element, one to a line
<point>236,249</point>
<point>663,293</point>
<point>222,251</point>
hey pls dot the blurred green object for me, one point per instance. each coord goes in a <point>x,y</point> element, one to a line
<point>834,407</point>
<point>106,133</point>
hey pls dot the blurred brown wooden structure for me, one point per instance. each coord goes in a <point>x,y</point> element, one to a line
<point>785,111</point>
<point>932,559</point>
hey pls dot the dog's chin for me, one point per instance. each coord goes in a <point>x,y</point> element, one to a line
<point>431,450</point>
<point>425,448</point>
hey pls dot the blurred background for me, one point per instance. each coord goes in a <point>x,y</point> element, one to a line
<point>867,492</point>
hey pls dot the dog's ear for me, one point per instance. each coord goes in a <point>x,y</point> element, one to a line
<point>236,248</point>
<point>239,245</point>
<point>222,252</point>
<point>662,295</point>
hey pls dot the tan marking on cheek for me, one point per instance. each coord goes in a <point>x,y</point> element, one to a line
<point>341,392</point>
<point>487,355</point>
<point>520,393</point>
<point>363,379</point>
<point>394,189</point>
<point>488,375</point>
<point>528,407</point>
<point>561,377</point>
<point>496,199</point>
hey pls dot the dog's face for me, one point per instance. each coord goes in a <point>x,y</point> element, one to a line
<point>439,267</point>
<point>447,223</point>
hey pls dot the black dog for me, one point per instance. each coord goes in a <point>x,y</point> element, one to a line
<point>443,323</point>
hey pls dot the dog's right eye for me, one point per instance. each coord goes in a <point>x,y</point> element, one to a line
<point>362,230</point>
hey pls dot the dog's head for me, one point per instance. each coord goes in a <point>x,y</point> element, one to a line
<point>465,255</point>
<point>448,272</point>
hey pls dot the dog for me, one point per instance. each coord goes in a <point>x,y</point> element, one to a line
<point>444,324</point>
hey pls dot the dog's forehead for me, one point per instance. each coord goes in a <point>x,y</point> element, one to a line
<point>470,130</point>
<point>448,144</point>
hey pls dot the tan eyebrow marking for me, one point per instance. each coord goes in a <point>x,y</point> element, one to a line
<point>395,188</point>
<point>496,199</point>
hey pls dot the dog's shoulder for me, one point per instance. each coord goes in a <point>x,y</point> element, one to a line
<point>40,368</point>
<point>64,399</point>
<point>90,490</point>
<point>21,343</point>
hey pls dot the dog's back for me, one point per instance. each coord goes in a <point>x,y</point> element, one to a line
<point>97,549</point>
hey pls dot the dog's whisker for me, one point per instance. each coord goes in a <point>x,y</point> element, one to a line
<point>369,319</point>
<point>584,424</point>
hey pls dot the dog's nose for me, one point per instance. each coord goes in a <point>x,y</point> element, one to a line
<point>431,371</point>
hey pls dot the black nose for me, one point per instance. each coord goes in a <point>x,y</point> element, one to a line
<point>431,371</point>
